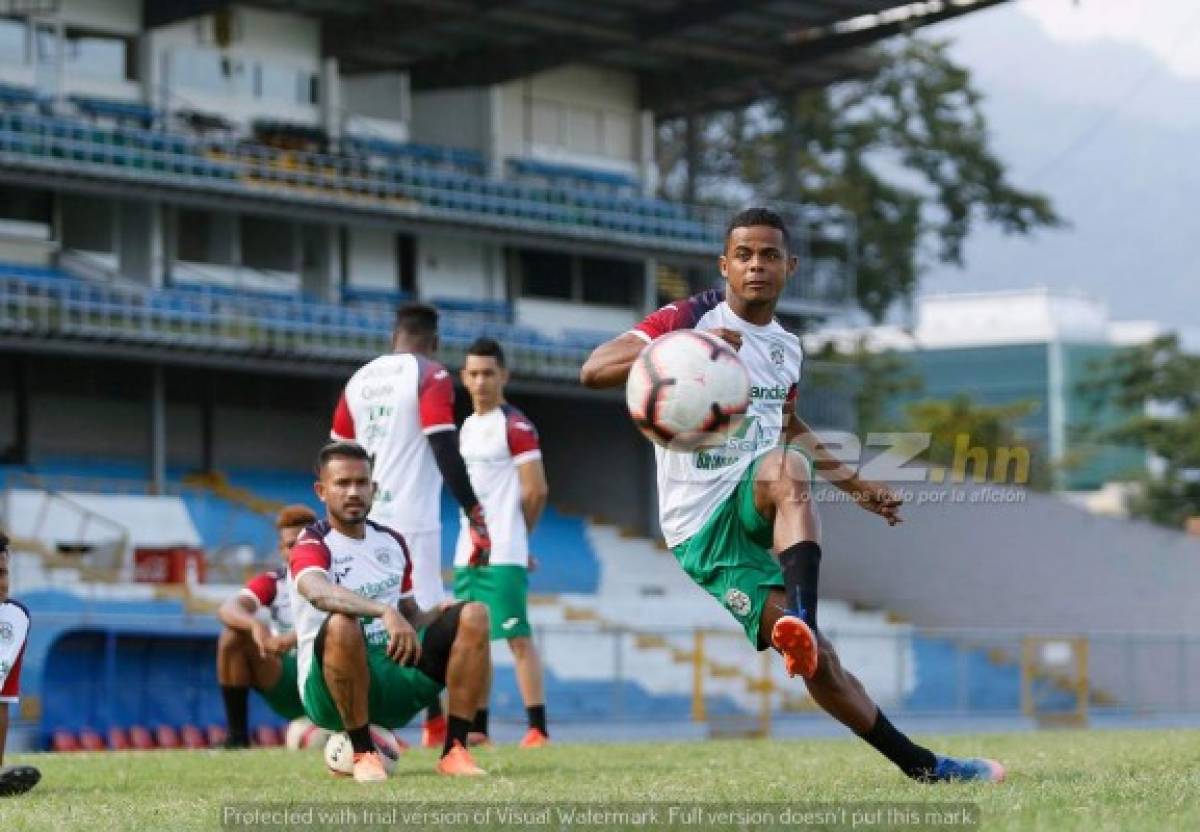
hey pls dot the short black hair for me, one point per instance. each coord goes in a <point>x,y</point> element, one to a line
<point>487,347</point>
<point>416,320</point>
<point>341,449</point>
<point>4,542</point>
<point>758,216</point>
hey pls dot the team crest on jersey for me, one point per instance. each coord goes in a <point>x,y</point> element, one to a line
<point>777,355</point>
<point>383,556</point>
<point>6,631</point>
<point>737,602</point>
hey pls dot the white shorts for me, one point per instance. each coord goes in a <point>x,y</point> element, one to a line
<point>426,551</point>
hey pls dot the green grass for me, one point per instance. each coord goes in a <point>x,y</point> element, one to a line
<point>1089,781</point>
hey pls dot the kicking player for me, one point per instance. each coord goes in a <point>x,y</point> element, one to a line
<point>251,654</point>
<point>14,631</point>
<point>740,518</point>
<point>500,446</point>
<point>400,407</point>
<point>367,652</point>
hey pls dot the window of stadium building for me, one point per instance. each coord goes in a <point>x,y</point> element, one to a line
<point>546,274</point>
<point>13,49</point>
<point>285,83</point>
<point>611,282</point>
<point>210,71</point>
<point>268,244</point>
<point>93,54</point>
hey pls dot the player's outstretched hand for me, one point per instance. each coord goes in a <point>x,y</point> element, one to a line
<point>403,647</point>
<point>881,500</point>
<point>481,541</point>
<point>15,780</point>
<point>262,639</point>
<point>730,336</point>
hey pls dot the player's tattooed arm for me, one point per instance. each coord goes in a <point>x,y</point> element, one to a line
<point>327,596</point>
<point>609,363</point>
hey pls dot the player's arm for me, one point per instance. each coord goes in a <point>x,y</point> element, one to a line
<point>534,491</point>
<point>403,645</point>
<point>435,402</point>
<point>609,363</point>
<point>872,496</point>
<point>418,617</point>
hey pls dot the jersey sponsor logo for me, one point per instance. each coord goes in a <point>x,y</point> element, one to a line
<point>373,589</point>
<point>338,574</point>
<point>6,631</point>
<point>737,602</point>
<point>778,393</point>
<point>523,426</point>
<point>440,374</point>
<point>509,623</point>
<point>369,393</point>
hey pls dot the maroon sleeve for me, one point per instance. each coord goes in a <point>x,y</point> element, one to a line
<point>522,435</point>
<point>262,587</point>
<point>682,314</point>
<point>310,552</point>
<point>343,420</point>
<point>435,398</point>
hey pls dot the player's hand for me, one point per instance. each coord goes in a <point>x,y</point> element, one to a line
<point>403,647</point>
<point>533,563</point>
<point>278,645</point>
<point>262,639</point>
<point>879,499</point>
<point>730,336</point>
<point>481,541</point>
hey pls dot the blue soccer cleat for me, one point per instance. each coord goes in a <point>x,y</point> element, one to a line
<point>967,769</point>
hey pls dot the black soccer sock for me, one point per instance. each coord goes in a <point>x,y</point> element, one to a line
<point>360,739</point>
<point>537,718</point>
<point>434,710</point>
<point>916,761</point>
<point>236,698</point>
<point>481,721</point>
<point>457,729</point>
<point>801,565</point>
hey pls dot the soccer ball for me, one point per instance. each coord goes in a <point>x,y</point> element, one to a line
<point>339,753</point>
<point>686,390</point>
<point>302,733</point>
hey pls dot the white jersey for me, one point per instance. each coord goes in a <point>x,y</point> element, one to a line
<point>377,567</point>
<point>272,591</point>
<point>494,445</point>
<point>692,485</point>
<point>14,632</point>
<point>389,407</point>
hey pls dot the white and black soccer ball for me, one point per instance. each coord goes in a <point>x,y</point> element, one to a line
<point>302,734</point>
<point>687,389</point>
<point>339,753</point>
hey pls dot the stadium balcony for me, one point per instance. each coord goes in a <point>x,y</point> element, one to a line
<point>417,181</point>
<point>38,302</point>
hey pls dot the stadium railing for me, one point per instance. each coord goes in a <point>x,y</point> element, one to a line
<point>38,302</point>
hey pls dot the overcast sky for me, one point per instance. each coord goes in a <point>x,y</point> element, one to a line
<point>1097,104</point>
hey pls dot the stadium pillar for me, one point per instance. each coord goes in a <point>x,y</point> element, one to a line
<point>648,171</point>
<point>141,242</point>
<point>691,144</point>
<point>158,430</point>
<point>331,98</point>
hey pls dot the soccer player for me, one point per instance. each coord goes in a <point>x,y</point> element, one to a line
<point>400,407</point>
<point>501,449</point>
<point>367,653</point>
<point>740,519</point>
<point>14,630</point>
<point>251,654</point>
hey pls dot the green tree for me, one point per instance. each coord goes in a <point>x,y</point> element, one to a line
<point>905,151</point>
<point>1160,384</point>
<point>958,425</point>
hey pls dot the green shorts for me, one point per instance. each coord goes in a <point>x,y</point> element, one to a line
<point>284,696</point>
<point>394,696</point>
<point>503,589</point>
<point>730,557</point>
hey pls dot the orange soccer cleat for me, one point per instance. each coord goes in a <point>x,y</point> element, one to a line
<point>458,762</point>
<point>792,637</point>
<point>534,739</point>
<point>368,767</point>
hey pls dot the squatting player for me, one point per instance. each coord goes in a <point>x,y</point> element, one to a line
<point>251,654</point>
<point>367,653</point>
<point>14,630</point>
<point>400,407</point>
<point>740,518</point>
<point>500,446</point>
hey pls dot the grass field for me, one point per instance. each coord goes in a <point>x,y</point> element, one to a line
<point>1089,781</point>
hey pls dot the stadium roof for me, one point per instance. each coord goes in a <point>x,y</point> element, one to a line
<point>689,55</point>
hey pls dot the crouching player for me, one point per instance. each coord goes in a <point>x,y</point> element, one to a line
<point>367,653</point>
<point>251,654</point>
<point>14,630</point>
